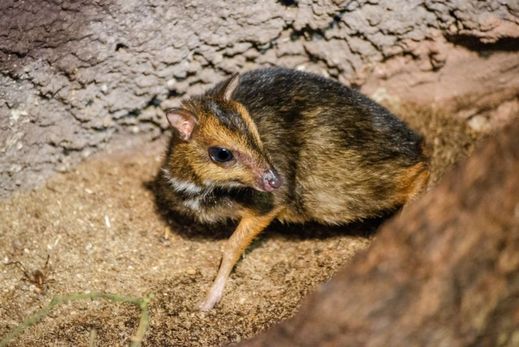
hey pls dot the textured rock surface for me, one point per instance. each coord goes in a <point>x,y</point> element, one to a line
<point>445,273</point>
<point>79,76</point>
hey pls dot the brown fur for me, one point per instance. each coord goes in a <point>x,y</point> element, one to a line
<point>305,149</point>
<point>413,181</point>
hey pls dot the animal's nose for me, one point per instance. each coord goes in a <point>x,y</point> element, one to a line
<point>271,180</point>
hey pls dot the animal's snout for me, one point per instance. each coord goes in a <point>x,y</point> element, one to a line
<point>271,180</point>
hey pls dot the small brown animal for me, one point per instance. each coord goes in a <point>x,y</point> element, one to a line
<point>287,145</point>
<point>38,278</point>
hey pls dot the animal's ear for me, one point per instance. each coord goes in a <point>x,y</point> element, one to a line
<point>183,121</point>
<point>228,87</point>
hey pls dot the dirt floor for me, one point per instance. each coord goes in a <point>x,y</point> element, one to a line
<point>100,227</point>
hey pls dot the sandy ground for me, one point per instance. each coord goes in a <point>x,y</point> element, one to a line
<point>102,231</point>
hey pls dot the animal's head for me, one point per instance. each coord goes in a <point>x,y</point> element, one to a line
<point>217,140</point>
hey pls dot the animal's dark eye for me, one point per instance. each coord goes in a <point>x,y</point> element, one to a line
<point>220,155</point>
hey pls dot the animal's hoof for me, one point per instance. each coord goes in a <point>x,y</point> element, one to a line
<point>214,295</point>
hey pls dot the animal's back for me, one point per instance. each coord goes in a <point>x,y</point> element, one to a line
<point>341,154</point>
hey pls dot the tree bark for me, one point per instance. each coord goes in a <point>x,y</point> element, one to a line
<point>443,273</point>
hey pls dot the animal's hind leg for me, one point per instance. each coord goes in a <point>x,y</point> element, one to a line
<point>419,181</point>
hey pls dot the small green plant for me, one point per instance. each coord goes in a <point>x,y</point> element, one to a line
<point>36,317</point>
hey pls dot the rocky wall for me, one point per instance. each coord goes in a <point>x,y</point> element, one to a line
<point>80,76</point>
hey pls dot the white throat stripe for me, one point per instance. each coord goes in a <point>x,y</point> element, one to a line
<point>181,185</point>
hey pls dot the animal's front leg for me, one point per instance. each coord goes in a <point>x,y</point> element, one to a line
<point>249,227</point>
